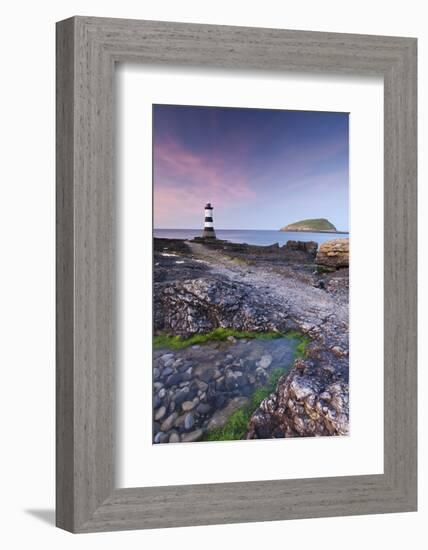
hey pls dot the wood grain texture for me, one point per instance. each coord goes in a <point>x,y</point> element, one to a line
<point>87,49</point>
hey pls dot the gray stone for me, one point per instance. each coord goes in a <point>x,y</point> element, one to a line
<point>203,386</point>
<point>160,413</point>
<point>265,361</point>
<point>196,435</point>
<point>156,401</point>
<point>168,364</point>
<point>181,396</point>
<point>161,437</point>
<point>203,408</point>
<point>169,422</point>
<point>167,357</point>
<point>167,371</point>
<point>207,375</point>
<point>174,438</point>
<point>179,422</point>
<point>174,379</point>
<point>189,421</point>
<point>189,405</point>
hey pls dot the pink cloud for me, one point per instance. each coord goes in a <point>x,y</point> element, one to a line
<point>184,181</point>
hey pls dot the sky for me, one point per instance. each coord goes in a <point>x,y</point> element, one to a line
<point>259,168</point>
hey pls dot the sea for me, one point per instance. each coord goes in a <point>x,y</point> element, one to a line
<point>259,237</point>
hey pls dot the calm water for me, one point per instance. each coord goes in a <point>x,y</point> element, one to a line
<point>257,237</point>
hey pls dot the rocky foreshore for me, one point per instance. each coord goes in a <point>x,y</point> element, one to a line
<point>199,287</point>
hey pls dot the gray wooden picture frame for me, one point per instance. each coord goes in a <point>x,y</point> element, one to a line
<point>87,50</point>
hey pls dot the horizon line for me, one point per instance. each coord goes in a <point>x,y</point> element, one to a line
<point>242,229</point>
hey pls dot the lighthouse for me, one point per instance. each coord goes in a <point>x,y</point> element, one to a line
<point>209,232</point>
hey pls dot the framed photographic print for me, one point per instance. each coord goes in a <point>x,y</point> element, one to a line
<point>236,263</point>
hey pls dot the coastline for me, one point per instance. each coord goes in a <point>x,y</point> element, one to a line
<point>200,286</point>
<point>312,231</point>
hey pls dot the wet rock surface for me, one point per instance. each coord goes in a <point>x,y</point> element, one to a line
<point>209,382</point>
<point>257,289</point>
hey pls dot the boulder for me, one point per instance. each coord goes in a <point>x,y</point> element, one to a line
<point>334,253</point>
<point>309,247</point>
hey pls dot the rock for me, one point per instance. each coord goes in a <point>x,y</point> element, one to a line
<point>206,375</point>
<point>167,371</point>
<point>189,421</point>
<point>181,395</point>
<point>189,405</point>
<point>203,386</point>
<point>156,401</point>
<point>219,418</point>
<point>160,413</point>
<point>203,408</point>
<point>156,373</point>
<point>310,247</point>
<point>307,402</point>
<point>174,379</point>
<point>265,361</point>
<point>161,437</point>
<point>230,380</point>
<point>166,357</point>
<point>301,387</point>
<point>179,421</point>
<point>186,376</point>
<point>334,253</point>
<point>196,435</point>
<point>162,393</point>
<point>169,422</point>
<point>174,438</point>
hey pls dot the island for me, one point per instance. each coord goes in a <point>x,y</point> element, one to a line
<point>317,225</point>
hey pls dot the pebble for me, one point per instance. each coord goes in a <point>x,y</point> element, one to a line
<point>189,421</point>
<point>174,379</point>
<point>174,438</point>
<point>203,408</point>
<point>169,422</point>
<point>167,357</point>
<point>162,393</point>
<point>179,421</point>
<point>156,373</point>
<point>203,386</point>
<point>160,413</point>
<point>169,363</point>
<point>189,405</point>
<point>207,375</point>
<point>192,436</point>
<point>181,395</point>
<point>161,437</point>
<point>265,361</point>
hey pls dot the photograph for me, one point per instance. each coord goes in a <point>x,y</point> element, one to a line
<point>250,273</point>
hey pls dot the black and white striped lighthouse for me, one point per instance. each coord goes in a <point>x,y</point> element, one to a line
<point>209,232</point>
